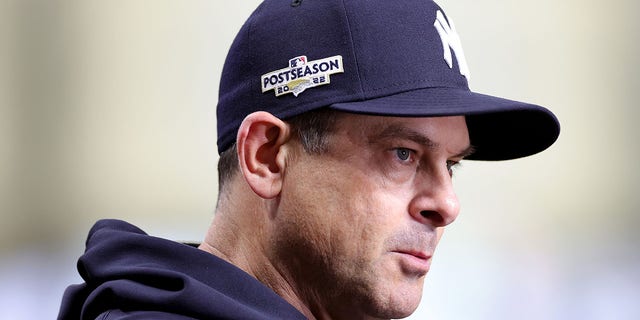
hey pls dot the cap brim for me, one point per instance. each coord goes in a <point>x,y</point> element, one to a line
<point>499,129</point>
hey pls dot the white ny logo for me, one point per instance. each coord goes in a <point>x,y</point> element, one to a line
<point>451,40</point>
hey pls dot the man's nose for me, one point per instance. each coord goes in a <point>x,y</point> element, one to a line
<point>435,202</point>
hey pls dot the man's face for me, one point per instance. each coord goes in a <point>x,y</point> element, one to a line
<point>356,227</point>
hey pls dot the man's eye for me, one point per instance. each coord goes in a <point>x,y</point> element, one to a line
<point>403,154</point>
<point>450,165</point>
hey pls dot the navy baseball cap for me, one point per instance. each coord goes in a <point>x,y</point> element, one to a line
<point>390,58</point>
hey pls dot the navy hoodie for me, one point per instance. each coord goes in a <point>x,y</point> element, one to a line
<point>131,275</point>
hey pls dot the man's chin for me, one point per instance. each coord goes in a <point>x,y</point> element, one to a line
<point>400,301</point>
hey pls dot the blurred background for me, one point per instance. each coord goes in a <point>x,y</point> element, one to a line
<point>107,110</point>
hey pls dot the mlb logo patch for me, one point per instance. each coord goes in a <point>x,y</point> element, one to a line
<point>301,75</point>
<point>297,61</point>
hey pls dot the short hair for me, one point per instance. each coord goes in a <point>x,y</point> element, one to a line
<point>311,128</point>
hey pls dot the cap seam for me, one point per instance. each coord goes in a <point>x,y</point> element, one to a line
<point>353,49</point>
<point>251,25</point>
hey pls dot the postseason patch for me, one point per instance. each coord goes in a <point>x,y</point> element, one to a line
<point>301,74</point>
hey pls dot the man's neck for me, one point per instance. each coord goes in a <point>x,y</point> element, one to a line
<point>242,248</point>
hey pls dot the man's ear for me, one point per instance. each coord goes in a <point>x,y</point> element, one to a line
<point>262,152</point>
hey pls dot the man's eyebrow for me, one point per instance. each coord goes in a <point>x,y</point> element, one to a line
<point>398,131</point>
<point>469,150</point>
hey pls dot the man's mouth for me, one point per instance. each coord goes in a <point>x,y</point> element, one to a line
<point>414,262</point>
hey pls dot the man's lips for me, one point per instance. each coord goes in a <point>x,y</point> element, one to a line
<point>417,254</point>
<point>414,262</point>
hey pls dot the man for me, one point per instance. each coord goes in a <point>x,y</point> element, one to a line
<point>339,126</point>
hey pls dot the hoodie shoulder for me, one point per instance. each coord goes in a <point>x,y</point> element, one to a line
<point>131,275</point>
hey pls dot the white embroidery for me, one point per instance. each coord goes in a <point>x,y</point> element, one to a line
<point>301,75</point>
<point>451,40</point>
